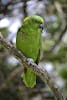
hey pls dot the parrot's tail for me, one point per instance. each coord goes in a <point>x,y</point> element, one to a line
<point>29,78</point>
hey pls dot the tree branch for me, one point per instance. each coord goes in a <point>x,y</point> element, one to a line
<point>60,33</point>
<point>39,70</point>
<point>63,27</point>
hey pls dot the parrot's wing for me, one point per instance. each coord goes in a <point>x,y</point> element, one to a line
<point>38,57</point>
<point>21,31</point>
<point>39,51</point>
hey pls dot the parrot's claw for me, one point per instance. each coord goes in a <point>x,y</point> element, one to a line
<point>30,60</point>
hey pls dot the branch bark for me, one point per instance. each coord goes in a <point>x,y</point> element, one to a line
<point>39,70</point>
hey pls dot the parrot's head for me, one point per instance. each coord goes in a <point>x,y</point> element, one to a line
<point>34,22</point>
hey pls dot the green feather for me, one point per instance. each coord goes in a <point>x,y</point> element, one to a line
<point>29,77</point>
<point>28,41</point>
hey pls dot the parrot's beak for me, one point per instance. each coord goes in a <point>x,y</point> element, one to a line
<point>41,27</point>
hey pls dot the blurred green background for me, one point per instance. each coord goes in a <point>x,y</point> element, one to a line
<point>54,47</point>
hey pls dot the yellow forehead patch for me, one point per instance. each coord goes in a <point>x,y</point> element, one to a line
<point>26,18</point>
<point>42,20</point>
<point>39,18</point>
<point>34,17</point>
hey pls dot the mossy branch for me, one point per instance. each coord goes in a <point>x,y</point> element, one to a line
<point>39,70</point>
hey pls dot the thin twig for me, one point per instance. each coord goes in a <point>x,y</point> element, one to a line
<point>60,33</point>
<point>40,71</point>
<point>59,39</point>
<point>63,27</point>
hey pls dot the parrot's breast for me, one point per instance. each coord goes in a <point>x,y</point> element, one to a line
<point>29,44</point>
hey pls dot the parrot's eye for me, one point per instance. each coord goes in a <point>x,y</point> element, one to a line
<point>41,27</point>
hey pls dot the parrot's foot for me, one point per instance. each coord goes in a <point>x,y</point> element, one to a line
<point>30,60</point>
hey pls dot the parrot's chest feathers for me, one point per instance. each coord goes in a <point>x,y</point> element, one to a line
<point>29,45</point>
<point>32,42</point>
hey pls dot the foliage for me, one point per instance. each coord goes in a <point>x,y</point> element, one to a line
<point>52,51</point>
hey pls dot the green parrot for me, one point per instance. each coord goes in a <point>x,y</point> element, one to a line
<point>28,41</point>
